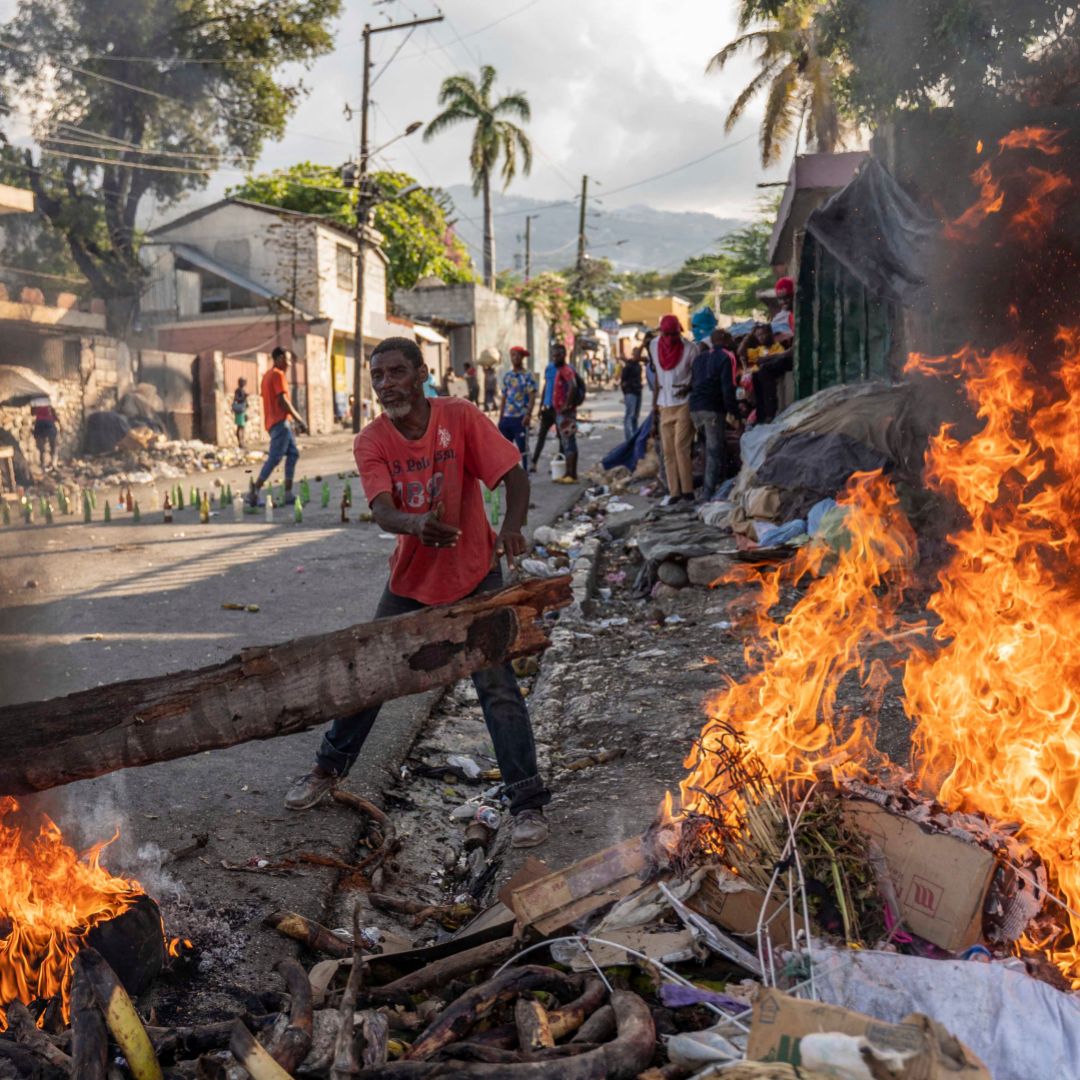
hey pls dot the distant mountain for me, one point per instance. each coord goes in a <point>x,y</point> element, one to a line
<point>654,239</point>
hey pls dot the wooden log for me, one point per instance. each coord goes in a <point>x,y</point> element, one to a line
<point>26,1032</point>
<point>621,1059</point>
<point>89,1038</point>
<point>458,1018</point>
<point>290,1046</point>
<point>312,934</point>
<point>440,972</point>
<point>269,691</point>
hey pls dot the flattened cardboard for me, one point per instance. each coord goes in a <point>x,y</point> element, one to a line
<point>667,946</point>
<point>735,905</point>
<point>560,899</point>
<point>780,1021</point>
<point>941,881</point>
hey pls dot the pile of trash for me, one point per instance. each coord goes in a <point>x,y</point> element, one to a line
<point>793,467</point>
<point>846,933</point>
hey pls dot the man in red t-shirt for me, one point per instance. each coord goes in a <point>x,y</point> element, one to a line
<point>277,412</point>
<point>422,463</point>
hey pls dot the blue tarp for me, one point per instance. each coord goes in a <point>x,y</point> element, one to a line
<point>629,453</point>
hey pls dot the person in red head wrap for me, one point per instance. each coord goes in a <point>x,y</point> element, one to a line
<point>672,358</point>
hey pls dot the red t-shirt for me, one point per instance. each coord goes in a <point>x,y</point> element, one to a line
<point>460,448</point>
<point>565,388</point>
<point>273,386</point>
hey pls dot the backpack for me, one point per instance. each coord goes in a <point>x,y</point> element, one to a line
<point>580,390</point>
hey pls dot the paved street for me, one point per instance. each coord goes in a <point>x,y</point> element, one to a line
<point>120,601</point>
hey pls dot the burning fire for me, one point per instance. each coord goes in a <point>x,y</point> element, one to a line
<point>786,710</point>
<point>995,702</point>
<point>50,898</point>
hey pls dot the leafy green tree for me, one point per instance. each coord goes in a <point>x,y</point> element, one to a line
<point>644,283</point>
<point>746,271</point>
<point>418,241</point>
<point>468,100</point>
<point>797,69</point>
<point>929,52</point>
<point>143,99</point>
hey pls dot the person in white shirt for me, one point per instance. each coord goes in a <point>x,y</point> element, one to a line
<point>671,357</point>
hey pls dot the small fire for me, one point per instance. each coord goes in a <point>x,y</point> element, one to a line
<point>50,898</point>
<point>178,947</point>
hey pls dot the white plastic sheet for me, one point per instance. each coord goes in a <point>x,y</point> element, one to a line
<point>1020,1027</point>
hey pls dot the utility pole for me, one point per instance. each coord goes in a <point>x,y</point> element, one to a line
<point>365,200</point>
<point>581,228</point>
<point>530,337</point>
<point>528,245</point>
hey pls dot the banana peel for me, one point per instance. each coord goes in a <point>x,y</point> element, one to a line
<point>250,1054</point>
<point>120,1016</point>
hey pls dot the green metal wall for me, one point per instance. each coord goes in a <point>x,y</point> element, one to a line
<point>843,334</point>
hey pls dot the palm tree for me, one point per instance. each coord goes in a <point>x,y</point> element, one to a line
<point>468,100</point>
<point>796,69</point>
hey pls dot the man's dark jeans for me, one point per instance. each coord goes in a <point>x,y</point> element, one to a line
<point>712,426</point>
<point>632,414</point>
<point>504,710</point>
<point>547,422</point>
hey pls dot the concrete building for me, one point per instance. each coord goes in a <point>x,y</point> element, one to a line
<point>239,278</point>
<point>649,310</point>
<point>472,318</point>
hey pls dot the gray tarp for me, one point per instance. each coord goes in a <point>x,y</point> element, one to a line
<point>877,233</point>
<point>1020,1027</point>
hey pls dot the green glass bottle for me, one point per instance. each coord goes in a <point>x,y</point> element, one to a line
<point>325,494</point>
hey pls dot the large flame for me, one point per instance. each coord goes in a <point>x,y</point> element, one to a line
<point>997,704</point>
<point>50,898</point>
<point>786,709</point>
<point>996,701</point>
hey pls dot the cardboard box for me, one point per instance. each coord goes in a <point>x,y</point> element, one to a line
<point>560,899</point>
<point>735,905</point>
<point>781,1022</point>
<point>941,881</point>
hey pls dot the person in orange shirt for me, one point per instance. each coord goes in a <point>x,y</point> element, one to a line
<point>422,464</point>
<point>277,412</point>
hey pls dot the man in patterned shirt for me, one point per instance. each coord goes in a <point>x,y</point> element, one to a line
<point>518,399</point>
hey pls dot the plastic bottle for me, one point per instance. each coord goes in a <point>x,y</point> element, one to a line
<point>237,507</point>
<point>269,507</point>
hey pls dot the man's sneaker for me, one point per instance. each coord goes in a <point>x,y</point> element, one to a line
<point>309,790</point>
<point>669,500</point>
<point>529,828</point>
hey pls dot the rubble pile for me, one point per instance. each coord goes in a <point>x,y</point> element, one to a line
<point>147,457</point>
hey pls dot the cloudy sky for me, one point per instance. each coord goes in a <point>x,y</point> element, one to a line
<point>618,91</point>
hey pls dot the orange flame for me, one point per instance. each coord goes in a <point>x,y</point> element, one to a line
<point>50,898</point>
<point>1045,195</point>
<point>786,709</point>
<point>997,705</point>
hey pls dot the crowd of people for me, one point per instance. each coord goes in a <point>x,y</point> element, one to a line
<point>707,387</point>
